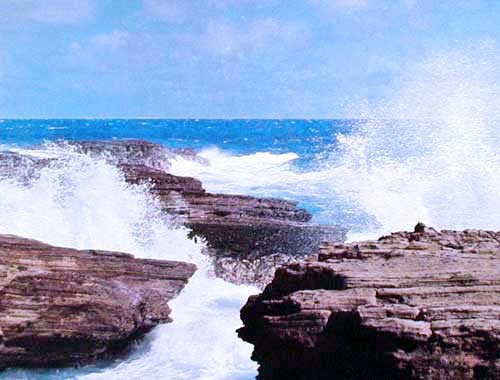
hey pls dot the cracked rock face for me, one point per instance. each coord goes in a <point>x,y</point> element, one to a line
<point>419,305</point>
<point>61,306</point>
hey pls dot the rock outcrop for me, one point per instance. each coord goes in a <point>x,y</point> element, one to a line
<point>135,152</point>
<point>229,223</point>
<point>412,305</point>
<point>61,306</point>
<point>247,237</point>
<point>23,167</point>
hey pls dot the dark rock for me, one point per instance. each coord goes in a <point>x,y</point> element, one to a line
<point>23,167</point>
<point>133,152</point>
<point>248,237</point>
<point>420,305</point>
<point>61,306</point>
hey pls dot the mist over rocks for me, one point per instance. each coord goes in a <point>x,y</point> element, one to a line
<point>62,306</point>
<point>135,152</point>
<point>247,237</point>
<point>20,166</point>
<point>411,305</point>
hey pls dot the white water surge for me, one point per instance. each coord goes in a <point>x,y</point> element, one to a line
<point>431,153</point>
<point>81,202</point>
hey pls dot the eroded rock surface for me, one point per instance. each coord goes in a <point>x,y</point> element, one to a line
<point>231,224</point>
<point>60,306</point>
<point>412,305</point>
<point>247,237</point>
<point>22,167</point>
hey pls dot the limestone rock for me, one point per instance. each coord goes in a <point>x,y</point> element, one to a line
<point>248,237</point>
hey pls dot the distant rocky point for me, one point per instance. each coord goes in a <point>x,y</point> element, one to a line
<point>411,305</point>
<point>61,306</point>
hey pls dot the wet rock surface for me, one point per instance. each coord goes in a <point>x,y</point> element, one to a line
<point>247,237</point>
<point>133,152</point>
<point>61,306</point>
<point>23,167</point>
<point>411,305</point>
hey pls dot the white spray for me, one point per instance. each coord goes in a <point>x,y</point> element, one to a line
<point>82,202</point>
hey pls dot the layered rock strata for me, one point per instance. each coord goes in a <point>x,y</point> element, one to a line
<point>248,237</point>
<point>61,306</point>
<point>411,305</point>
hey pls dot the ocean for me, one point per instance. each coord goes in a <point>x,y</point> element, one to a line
<point>371,176</point>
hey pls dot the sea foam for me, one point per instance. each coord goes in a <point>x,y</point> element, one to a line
<point>81,202</point>
<point>430,152</point>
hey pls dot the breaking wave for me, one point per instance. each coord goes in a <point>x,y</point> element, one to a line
<point>431,154</point>
<point>82,202</point>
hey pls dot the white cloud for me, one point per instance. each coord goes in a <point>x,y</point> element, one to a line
<point>62,12</point>
<point>236,3</point>
<point>108,51</point>
<point>353,6</point>
<point>180,11</point>
<point>410,4</point>
<point>229,39</point>
<point>345,6</point>
<point>175,11</point>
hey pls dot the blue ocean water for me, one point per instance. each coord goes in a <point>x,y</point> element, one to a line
<point>306,138</point>
<point>312,141</point>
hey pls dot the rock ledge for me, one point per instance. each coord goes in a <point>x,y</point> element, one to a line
<point>412,305</point>
<point>61,306</point>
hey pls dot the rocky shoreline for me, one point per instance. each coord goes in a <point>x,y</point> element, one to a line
<point>62,306</point>
<point>411,305</point>
<point>247,237</point>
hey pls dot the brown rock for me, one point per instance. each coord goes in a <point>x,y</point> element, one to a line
<point>420,305</point>
<point>61,306</point>
<point>248,237</point>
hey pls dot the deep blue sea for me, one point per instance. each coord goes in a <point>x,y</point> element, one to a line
<point>238,135</point>
<point>371,176</point>
<point>310,140</point>
<point>306,138</point>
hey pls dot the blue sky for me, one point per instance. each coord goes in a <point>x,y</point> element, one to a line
<point>221,58</point>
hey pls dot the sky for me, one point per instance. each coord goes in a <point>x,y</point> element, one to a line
<point>221,58</point>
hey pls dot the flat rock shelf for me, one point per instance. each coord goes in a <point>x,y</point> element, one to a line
<point>411,305</point>
<point>61,306</point>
